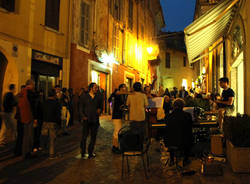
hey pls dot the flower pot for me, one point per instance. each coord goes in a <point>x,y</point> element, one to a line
<point>238,158</point>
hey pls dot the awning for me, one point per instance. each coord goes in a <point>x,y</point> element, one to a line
<point>208,28</point>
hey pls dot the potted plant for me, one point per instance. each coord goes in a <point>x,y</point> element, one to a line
<point>237,134</point>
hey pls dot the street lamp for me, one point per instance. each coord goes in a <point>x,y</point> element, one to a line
<point>150,50</point>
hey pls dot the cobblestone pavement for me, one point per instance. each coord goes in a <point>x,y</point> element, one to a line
<point>105,168</point>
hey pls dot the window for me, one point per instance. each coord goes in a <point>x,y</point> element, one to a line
<point>52,14</point>
<point>84,30</point>
<point>130,15</point>
<point>8,5</point>
<point>115,41</point>
<point>167,60</point>
<point>184,61</point>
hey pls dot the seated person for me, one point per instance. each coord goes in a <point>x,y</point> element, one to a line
<point>179,130</point>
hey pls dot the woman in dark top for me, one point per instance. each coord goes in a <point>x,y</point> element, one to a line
<point>119,103</point>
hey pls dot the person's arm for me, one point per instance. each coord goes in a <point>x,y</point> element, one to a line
<point>145,101</point>
<point>82,107</point>
<point>229,102</point>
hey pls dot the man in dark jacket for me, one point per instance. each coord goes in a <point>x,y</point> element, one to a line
<point>52,119</point>
<point>27,110</point>
<point>179,129</point>
<point>90,109</point>
<point>9,103</point>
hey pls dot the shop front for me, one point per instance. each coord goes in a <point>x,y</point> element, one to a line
<point>46,70</point>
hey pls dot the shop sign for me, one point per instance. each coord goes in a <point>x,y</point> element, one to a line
<point>45,57</point>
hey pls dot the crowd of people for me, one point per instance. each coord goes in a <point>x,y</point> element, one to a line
<point>26,114</point>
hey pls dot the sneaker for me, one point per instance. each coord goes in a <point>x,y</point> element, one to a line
<point>85,156</point>
<point>91,156</point>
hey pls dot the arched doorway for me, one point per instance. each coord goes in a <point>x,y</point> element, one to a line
<point>3,65</point>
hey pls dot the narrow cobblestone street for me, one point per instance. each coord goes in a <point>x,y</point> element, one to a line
<point>105,168</point>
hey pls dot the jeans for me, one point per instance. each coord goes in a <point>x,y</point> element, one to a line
<point>8,126</point>
<point>92,128</point>
<point>117,126</point>
<point>51,130</point>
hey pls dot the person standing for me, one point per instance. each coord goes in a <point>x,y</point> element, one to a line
<point>226,104</point>
<point>65,113</point>
<point>38,128</point>
<point>183,93</point>
<point>52,119</point>
<point>137,102</point>
<point>119,103</point>
<point>9,104</point>
<point>28,112</point>
<point>90,109</point>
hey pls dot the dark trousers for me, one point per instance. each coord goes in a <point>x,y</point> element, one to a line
<point>27,138</point>
<point>87,128</point>
<point>37,134</point>
<point>19,140</point>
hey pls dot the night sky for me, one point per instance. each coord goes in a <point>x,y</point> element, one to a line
<point>178,14</point>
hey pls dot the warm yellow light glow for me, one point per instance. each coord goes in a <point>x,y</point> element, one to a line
<point>193,85</point>
<point>108,58</point>
<point>94,76</point>
<point>203,70</point>
<point>150,50</point>
<point>184,83</point>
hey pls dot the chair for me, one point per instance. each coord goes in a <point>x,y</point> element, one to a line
<point>177,154</point>
<point>132,144</point>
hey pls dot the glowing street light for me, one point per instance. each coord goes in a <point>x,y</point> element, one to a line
<point>150,50</point>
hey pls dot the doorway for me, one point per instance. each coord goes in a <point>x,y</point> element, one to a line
<point>3,65</point>
<point>101,79</point>
<point>44,82</point>
<point>237,83</point>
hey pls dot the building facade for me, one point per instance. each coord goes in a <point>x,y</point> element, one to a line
<point>227,53</point>
<point>175,70</point>
<point>34,43</point>
<point>110,42</point>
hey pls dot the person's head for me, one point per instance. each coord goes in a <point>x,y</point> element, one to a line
<point>224,81</point>
<point>147,89</point>
<point>93,88</point>
<point>12,88</point>
<point>52,93</point>
<point>178,104</point>
<point>30,84</point>
<point>70,90</point>
<point>57,88</point>
<point>167,98</point>
<point>22,87</point>
<point>137,87</point>
<point>122,87</point>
